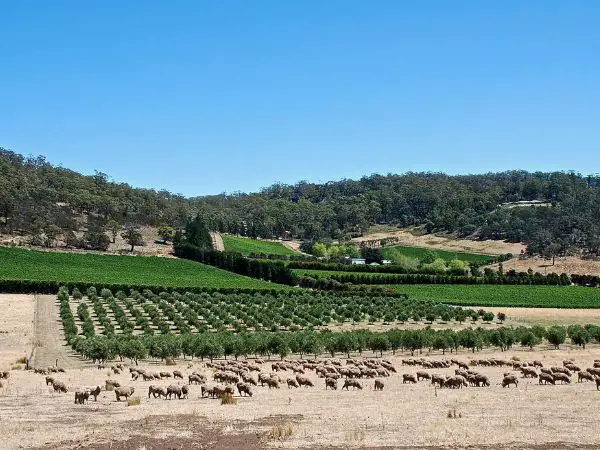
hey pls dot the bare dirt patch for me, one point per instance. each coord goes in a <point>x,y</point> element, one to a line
<point>567,264</point>
<point>547,316</point>
<point>404,237</point>
<point>16,328</point>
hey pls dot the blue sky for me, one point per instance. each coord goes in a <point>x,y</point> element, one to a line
<point>203,97</point>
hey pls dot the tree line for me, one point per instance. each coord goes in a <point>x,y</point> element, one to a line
<point>37,197</point>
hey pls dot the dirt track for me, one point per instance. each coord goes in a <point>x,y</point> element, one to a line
<point>49,335</point>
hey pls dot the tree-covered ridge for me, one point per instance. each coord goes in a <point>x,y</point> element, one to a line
<point>35,195</point>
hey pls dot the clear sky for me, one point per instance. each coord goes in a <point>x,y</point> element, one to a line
<point>202,97</point>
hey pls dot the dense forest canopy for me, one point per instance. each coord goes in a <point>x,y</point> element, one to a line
<point>35,195</point>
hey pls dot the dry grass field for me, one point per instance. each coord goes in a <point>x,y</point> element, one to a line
<point>400,416</point>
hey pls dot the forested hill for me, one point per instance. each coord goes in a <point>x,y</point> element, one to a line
<point>34,195</point>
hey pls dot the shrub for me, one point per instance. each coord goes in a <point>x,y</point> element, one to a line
<point>133,401</point>
<point>228,399</point>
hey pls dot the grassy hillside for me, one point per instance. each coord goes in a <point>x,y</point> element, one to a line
<point>20,264</point>
<point>418,252</point>
<point>246,246</point>
<point>505,295</point>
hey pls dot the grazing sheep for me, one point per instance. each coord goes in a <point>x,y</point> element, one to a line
<point>546,378</point>
<point>194,378</point>
<point>546,370</point>
<point>95,392</point>
<point>165,375</point>
<point>378,386</point>
<point>249,379</point>
<point>423,376</point>
<point>205,389</point>
<point>244,389</point>
<point>304,381</point>
<point>582,375</point>
<point>538,363</point>
<point>408,378</point>
<point>529,372</point>
<point>562,377</point>
<point>351,382</point>
<point>123,392</point>
<point>437,379</point>
<point>331,383</point>
<point>157,391</point>
<point>81,397</point>
<point>177,374</point>
<point>455,382</point>
<point>59,386</point>
<point>291,382</point>
<point>173,390</point>
<point>510,379</point>
<point>273,383</point>
<point>113,383</point>
<point>185,391</point>
<point>481,380</point>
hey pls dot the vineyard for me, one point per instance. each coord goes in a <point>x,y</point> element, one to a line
<point>20,264</point>
<point>149,313</point>
<point>505,295</point>
<point>247,246</point>
<point>392,253</point>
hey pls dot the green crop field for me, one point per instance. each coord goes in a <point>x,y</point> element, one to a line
<point>246,246</point>
<point>20,264</point>
<point>504,295</point>
<point>418,253</point>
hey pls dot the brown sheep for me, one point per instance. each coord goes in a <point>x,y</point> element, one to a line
<point>594,371</point>
<point>421,375</point>
<point>510,379</point>
<point>81,397</point>
<point>378,386</point>
<point>437,379</point>
<point>247,378</point>
<point>59,386</point>
<point>538,363</point>
<point>177,374</point>
<point>584,376</point>
<point>291,382</point>
<point>546,378</point>
<point>205,389</point>
<point>244,388</point>
<point>95,392</point>
<point>173,390</point>
<point>165,375</point>
<point>113,383</point>
<point>408,378</point>
<point>562,377</point>
<point>185,391</point>
<point>273,383</point>
<point>481,380</point>
<point>193,378</point>
<point>123,392</point>
<point>351,382</point>
<point>529,372</point>
<point>304,381</point>
<point>455,382</point>
<point>157,391</point>
<point>331,383</point>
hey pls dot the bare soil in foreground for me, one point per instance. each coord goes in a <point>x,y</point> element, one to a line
<point>531,416</point>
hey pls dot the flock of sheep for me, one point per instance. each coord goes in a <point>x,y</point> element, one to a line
<point>244,376</point>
